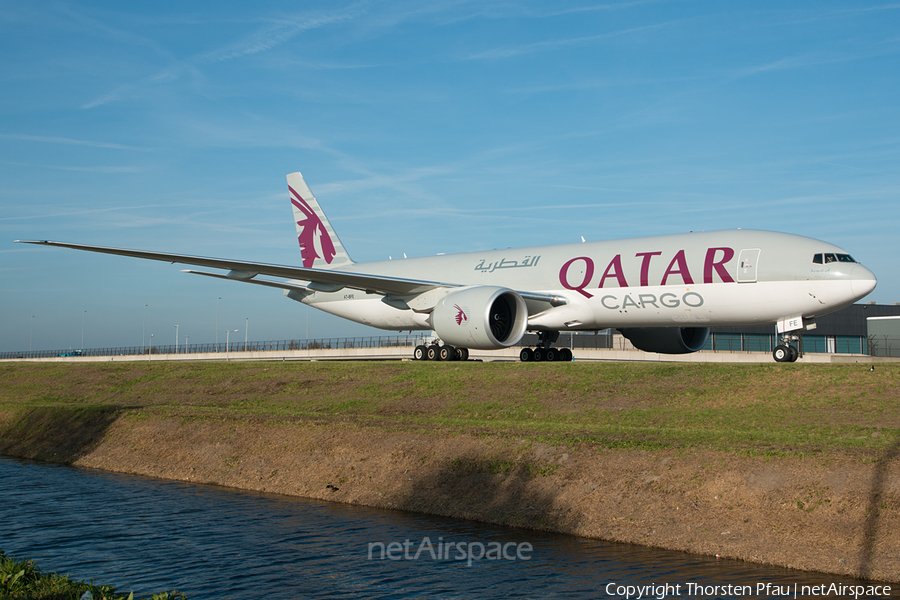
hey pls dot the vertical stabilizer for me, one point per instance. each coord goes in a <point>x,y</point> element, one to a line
<point>320,246</point>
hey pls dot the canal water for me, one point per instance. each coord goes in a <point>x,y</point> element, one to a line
<point>148,535</point>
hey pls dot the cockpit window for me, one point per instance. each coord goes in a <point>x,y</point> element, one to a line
<point>821,259</point>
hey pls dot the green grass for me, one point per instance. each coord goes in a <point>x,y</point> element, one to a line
<point>23,580</point>
<point>759,408</point>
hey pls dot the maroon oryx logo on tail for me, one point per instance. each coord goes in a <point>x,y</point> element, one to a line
<point>313,238</point>
<point>460,315</point>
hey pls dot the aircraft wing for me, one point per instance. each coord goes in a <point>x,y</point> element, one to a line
<point>239,270</point>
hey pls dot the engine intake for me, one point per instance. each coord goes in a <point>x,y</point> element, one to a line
<point>480,317</point>
<point>667,340</point>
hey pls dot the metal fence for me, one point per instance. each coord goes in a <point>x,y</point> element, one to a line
<point>264,346</point>
<point>601,339</point>
<point>883,345</point>
<point>718,342</point>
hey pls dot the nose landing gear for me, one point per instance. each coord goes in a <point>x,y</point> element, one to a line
<point>785,351</point>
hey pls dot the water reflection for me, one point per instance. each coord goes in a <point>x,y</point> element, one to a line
<point>148,535</point>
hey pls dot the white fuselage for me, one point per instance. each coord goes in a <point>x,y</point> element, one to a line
<point>721,278</point>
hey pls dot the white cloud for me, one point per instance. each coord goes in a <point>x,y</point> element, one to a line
<point>259,41</point>
<point>547,45</point>
<point>68,141</point>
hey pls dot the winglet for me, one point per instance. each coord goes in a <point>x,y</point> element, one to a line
<point>320,246</point>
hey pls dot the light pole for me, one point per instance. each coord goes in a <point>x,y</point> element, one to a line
<point>227,333</point>
<point>144,328</point>
<point>176,339</point>
<point>31,335</point>
<point>217,323</point>
<point>84,312</point>
<point>150,351</point>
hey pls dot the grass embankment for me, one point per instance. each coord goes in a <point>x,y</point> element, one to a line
<point>23,580</point>
<point>758,409</point>
<point>794,465</point>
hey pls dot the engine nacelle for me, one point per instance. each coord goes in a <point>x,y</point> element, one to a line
<point>667,340</point>
<point>480,317</point>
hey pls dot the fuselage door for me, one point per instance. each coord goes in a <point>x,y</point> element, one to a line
<point>747,262</point>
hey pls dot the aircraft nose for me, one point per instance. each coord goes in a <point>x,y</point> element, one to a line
<point>862,281</point>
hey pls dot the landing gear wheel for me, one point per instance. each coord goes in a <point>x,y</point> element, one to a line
<point>432,353</point>
<point>565,354</point>
<point>420,353</point>
<point>526,355</point>
<point>539,355</point>
<point>462,354</point>
<point>795,354</point>
<point>781,353</point>
<point>551,354</point>
<point>447,353</point>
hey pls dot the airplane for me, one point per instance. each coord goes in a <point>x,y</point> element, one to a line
<point>663,293</point>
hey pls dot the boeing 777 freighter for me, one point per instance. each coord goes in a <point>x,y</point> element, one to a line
<point>663,293</point>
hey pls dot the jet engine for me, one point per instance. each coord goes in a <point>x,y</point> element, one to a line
<point>480,317</point>
<point>667,340</point>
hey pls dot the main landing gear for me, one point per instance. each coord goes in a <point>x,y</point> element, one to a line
<point>544,352</point>
<point>785,351</point>
<point>440,352</point>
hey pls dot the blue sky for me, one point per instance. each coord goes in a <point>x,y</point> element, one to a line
<point>422,127</point>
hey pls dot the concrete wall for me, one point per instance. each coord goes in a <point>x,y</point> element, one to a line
<point>508,354</point>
